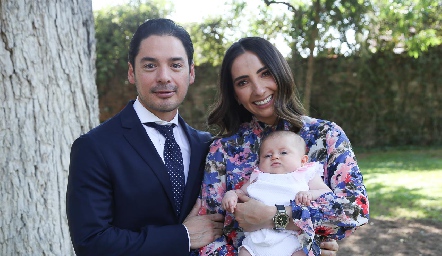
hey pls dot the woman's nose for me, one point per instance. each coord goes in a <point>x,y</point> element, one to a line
<point>259,88</point>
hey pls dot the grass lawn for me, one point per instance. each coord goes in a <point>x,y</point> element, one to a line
<point>403,183</point>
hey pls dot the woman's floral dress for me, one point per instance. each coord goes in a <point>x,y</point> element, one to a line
<point>334,215</point>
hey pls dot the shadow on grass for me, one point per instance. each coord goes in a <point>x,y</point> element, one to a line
<point>400,160</point>
<point>399,199</point>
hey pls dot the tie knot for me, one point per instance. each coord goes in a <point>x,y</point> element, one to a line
<point>165,130</point>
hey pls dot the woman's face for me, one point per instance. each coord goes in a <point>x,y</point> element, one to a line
<point>254,87</point>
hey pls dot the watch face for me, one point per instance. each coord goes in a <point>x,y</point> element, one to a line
<point>281,220</point>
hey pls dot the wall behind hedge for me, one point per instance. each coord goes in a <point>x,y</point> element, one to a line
<point>385,100</point>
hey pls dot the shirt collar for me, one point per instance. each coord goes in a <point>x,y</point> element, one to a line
<point>146,116</point>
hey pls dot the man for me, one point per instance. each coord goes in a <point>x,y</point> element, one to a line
<point>122,196</point>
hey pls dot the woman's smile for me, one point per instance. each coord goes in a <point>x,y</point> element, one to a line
<point>265,101</point>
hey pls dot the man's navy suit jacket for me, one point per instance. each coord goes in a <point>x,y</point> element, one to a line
<point>119,195</point>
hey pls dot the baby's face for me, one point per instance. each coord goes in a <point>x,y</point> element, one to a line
<point>279,156</point>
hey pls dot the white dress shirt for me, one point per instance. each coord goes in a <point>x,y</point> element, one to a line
<point>159,140</point>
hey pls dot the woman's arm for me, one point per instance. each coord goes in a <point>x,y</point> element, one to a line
<point>213,190</point>
<point>336,215</point>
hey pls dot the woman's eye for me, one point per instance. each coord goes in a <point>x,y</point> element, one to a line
<point>266,73</point>
<point>241,83</point>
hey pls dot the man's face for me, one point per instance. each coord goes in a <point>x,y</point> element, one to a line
<point>161,75</point>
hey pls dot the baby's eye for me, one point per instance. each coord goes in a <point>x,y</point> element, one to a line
<point>267,156</point>
<point>284,153</point>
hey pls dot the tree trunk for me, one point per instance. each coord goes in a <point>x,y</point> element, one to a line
<point>311,59</point>
<point>48,98</point>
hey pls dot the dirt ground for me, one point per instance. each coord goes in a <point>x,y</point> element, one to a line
<point>394,237</point>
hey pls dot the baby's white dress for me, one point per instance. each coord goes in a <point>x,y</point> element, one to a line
<point>279,189</point>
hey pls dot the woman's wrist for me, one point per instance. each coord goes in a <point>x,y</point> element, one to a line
<point>271,211</point>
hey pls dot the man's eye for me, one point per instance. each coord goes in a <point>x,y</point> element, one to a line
<point>149,66</point>
<point>177,65</point>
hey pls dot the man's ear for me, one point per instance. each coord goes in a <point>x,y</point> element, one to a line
<point>192,74</point>
<point>130,74</point>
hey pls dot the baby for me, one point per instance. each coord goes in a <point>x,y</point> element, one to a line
<point>282,174</point>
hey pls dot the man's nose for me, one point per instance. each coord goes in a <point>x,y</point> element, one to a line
<point>163,76</point>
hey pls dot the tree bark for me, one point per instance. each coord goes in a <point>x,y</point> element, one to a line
<point>48,98</point>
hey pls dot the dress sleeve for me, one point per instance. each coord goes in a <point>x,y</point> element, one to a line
<point>311,170</point>
<point>212,192</point>
<point>336,215</point>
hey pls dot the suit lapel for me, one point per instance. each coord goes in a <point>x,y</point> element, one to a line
<point>193,181</point>
<point>136,136</point>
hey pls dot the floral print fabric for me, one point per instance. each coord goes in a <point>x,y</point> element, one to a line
<point>232,159</point>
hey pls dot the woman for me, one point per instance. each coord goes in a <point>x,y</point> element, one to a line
<point>258,96</point>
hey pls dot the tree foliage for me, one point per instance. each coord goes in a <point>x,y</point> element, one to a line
<point>114,27</point>
<point>411,26</point>
<point>326,23</point>
<point>320,27</point>
<point>212,36</point>
<point>209,40</point>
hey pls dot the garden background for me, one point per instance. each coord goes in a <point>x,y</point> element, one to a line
<point>371,66</point>
<point>388,103</point>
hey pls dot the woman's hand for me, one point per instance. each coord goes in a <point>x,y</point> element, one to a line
<point>253,215</point>
<point>329,248</point>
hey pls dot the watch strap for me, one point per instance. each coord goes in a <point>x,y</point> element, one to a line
<point>280,208</point>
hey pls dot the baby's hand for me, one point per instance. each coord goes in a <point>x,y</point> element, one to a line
<point>229,201</point>
<point>303,198</point>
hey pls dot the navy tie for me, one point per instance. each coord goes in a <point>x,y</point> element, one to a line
<point>173,160</point>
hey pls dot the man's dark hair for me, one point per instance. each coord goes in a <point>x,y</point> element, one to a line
<point>159,27</point>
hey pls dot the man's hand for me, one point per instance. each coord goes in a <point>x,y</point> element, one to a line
<point>252,215</point>
<point>329,248</point>
<point>203,229</point>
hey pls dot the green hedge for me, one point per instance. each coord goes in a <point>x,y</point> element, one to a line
<point>383,100</point>
<point>387,100</point>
